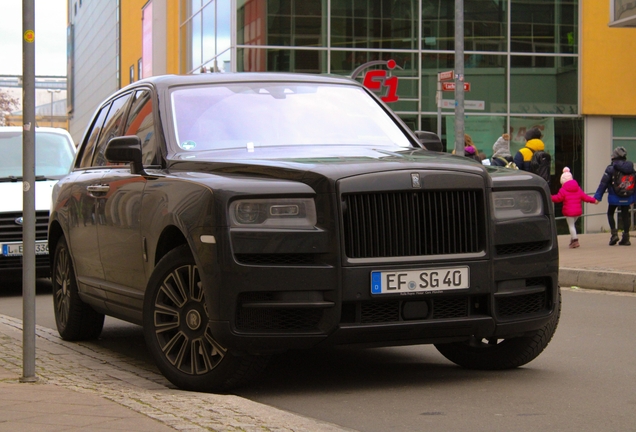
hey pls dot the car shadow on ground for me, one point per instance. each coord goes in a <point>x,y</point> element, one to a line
<point>12,286</point>
<point>353,369</point>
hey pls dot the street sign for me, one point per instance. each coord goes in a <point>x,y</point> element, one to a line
<point>450,86</point>
<point>468,104</point>
<point>445,76</point>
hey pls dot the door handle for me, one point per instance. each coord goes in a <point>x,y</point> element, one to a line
<point>97,190</point>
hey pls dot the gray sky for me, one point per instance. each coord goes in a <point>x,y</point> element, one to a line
<point>50,37</point>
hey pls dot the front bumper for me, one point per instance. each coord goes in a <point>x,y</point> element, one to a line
<point>273,309</point>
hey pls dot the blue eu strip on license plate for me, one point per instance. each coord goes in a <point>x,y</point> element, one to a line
<point>16,249</point>
<point>424,280</point>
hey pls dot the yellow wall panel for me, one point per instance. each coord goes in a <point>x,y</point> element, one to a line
<point>130,37</point>
<point>172,36</point>
<point>608,63</point>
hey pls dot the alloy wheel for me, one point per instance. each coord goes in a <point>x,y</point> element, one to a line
<point>181,323</point>
<point>62,294</point>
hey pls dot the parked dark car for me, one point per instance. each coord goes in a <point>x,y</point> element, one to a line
<point>238,215</point>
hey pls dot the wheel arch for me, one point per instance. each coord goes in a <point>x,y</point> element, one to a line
<point>55,233</point>
<point>170,238</point>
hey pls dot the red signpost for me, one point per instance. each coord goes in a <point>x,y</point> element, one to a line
<point>446,76</point>
<point>450,86</point>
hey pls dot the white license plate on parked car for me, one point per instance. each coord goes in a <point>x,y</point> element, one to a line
<point>16,249</point>
<point>426,280</point>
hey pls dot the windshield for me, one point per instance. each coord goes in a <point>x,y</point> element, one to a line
<point>252,115</point>
<point>53,154</point>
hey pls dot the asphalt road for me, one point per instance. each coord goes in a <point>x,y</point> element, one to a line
<point>584,381</point>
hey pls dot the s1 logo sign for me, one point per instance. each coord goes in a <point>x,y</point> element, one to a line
<point>375,80</point>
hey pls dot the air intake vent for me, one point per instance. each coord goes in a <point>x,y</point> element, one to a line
<point>396,224</point>
<point>519,248</point>
<point>522,305</point>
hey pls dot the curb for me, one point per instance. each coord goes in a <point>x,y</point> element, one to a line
<point>598,279</point>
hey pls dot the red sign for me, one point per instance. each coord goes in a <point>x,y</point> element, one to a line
<point>450,86</point>
<point>377,81</point>
<point>445,76</point>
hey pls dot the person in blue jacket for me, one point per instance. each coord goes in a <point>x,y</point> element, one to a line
<point>620,163</point>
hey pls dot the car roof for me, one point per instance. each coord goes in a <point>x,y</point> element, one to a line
<point>14,129</point>
<point>163,81</point>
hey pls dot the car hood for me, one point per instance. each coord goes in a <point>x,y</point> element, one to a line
<point>12,194</point>
<point>317,164</point>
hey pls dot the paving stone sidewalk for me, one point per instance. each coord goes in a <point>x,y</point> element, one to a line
<point>81,389</point>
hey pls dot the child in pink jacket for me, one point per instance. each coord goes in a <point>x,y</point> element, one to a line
<point>571,196</point>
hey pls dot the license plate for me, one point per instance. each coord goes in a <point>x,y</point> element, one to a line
<point>16,249</point>
<point>414,281</point>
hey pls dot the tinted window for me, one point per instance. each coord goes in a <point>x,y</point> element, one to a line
<point>112,128</point>
<point>86,155</point>
<point>141,123</point>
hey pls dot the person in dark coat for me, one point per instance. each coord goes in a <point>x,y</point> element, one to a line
<point>620,163</point>
<point>533,143</point>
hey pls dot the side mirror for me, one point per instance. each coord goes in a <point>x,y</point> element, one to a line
<point>126,149</point>
<point>430,141</point>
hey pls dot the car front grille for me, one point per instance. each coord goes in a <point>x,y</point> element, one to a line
<point>11,231</point>
<point>396,224</point>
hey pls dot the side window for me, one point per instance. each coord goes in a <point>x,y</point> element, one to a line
<point>112,128</point>
<point>141,123</point>
<point>86,152</point>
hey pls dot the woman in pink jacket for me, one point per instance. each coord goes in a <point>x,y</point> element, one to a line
<point>571,196</point>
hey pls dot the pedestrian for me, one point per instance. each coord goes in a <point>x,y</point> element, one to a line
<point>469,148</point>
<point>501,152</point>
<point>533,157</point>
<point>571,196</point>
<point>620,166</point>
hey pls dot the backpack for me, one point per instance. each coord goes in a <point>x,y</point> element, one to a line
<point>508,164</point>
<point>540,164</point>
<point>623,184</point>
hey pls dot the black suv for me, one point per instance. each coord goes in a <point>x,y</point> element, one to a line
<point>238,215</point>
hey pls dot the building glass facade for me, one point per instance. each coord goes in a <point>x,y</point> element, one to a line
<point>521,57</point>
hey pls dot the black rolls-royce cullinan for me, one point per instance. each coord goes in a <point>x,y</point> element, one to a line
<point>235,216</point>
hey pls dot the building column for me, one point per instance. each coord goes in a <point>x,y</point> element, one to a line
<point>159,37</point>
<point>597,151</point>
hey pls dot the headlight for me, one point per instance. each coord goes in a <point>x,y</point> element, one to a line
<point>296,213</point>
<point>517,204</point>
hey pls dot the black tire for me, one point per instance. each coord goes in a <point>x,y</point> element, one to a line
<point>499,354</point>
<point>75,319</point>
<point>177,331</point>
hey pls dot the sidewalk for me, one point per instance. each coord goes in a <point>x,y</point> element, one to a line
<point>85,388</point>
<point>596,265</point>
<point>82,387</point>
